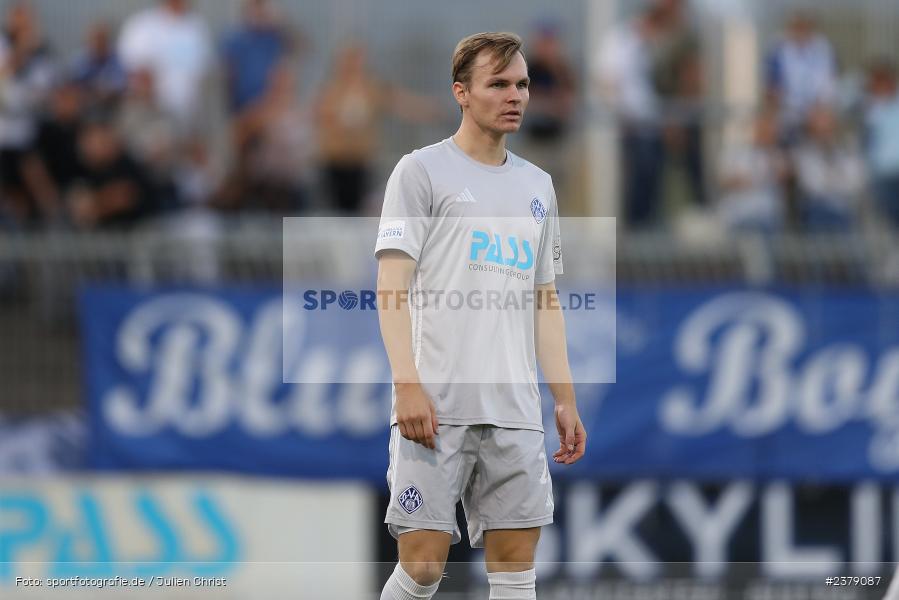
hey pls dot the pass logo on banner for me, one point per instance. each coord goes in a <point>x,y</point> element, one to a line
<point>202,532</point>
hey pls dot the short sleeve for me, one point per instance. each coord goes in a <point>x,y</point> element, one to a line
<point>549,262</point>
<point>406,215</point>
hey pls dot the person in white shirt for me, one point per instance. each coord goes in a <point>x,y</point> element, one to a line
<point>801,73</point>
<point>466,217</point>
<point>752,178</point>
<point>625,82</point>
<point>175,44</point>
<point>830,174</point>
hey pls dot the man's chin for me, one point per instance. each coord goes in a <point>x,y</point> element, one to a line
<point>509,127</point>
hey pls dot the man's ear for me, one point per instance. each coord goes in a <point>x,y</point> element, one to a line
<point>460,93</point>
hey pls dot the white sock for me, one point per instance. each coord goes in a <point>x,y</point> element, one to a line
<point>401,586</point>
<point>513,586</point>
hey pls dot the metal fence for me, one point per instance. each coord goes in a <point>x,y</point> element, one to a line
<point>41,273</point>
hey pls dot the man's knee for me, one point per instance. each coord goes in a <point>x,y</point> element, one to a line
<point>510,549</point>
<point>424,572</point>
<point>423,555</point>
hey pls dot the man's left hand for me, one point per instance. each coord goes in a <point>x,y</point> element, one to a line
<point>572,435</point>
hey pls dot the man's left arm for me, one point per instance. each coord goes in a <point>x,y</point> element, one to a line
<point>552,354</point>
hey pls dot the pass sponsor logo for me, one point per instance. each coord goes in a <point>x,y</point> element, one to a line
<point>501,250</point>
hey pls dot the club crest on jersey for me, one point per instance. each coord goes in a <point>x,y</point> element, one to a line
<point>538,210</point>
<point>410,499</point>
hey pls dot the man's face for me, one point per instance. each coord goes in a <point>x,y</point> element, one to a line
<point>496,101</point>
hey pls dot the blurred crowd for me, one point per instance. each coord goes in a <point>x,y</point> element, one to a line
<point>122,131</point>
<point>812,156</point>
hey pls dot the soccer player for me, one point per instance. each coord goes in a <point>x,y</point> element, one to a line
<point>466,217</point>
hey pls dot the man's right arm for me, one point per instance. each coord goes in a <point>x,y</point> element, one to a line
<point>415,413</point>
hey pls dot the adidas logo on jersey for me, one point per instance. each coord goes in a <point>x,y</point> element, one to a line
<point>465,196</point>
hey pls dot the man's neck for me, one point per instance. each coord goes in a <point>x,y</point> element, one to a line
<point>481,145</point>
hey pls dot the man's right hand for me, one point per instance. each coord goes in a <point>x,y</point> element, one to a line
<point>415,414</point>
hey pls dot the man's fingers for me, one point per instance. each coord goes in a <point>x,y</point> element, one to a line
<point>417,431</point>
<point>434,422</point>
<point>427,436</point>
<point>403,430</point>
<point>575,456</point>
<point>560,454</point>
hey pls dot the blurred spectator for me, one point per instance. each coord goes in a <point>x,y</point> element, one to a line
<point>252,51</point>
<point>552,86</point>
<point>830,175</point>
<point>151,137</point>
<point>174,43</point>
<point>349,110</point>
<point>751,181</point>
<point>677,74</point>
<point>274,144</point>
<point>112,190</point>
<point>195,228</point>
<point>551,105</point>
<point>149,133</point>
<point>98,69</point>
<point>801,73</point>
<point>626,82</point>
<point>195,176</point>
<point>882,136</point>
<point>52,164</point>
<point>26,75</point>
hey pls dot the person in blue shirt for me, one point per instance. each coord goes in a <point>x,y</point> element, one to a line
<point>252,51</point>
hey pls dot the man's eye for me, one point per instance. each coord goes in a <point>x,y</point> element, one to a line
<point>523,85</point>
<point>497,84</point>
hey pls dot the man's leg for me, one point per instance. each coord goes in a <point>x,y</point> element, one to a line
<point>422,559</point>
<point>509,554</point>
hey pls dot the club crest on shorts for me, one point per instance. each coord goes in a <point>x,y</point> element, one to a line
<point>538,210</point>
<point>410,499</point>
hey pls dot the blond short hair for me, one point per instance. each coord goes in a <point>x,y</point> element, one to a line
<point>501,45</point>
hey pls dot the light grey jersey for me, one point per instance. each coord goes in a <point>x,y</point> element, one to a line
<point>479,234</point>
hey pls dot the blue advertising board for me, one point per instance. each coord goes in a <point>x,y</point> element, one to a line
<point>712,383</point>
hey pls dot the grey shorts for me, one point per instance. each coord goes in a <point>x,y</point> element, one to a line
<point>501,476</point>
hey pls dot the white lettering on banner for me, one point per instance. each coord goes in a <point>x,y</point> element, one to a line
<point>782,557</point>
<point>261,371</point>
<point>747,344</point>
<point>186,345</point>
<point>710,527</point>
<point>745,318</point>
<point>355,410</point>
<point>594,535</point>
<point>310,413</point>
<point>867,541</point>
<point>179,356</point>
<point>840,370</point>
<point>896,522</point>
